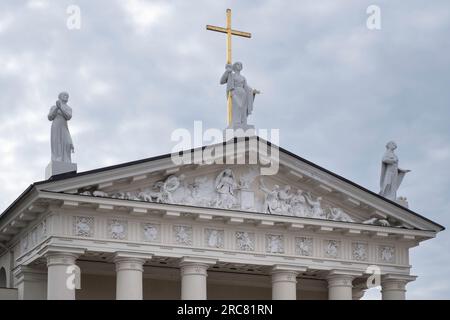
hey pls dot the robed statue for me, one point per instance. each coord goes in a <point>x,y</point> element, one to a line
<point>241,94</point>
<point>391,175</point>
<point>61,141</point>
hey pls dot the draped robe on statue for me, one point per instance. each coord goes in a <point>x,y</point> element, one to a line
<point>391,175</point>
<point>61,141</point>
<point>242,98</point>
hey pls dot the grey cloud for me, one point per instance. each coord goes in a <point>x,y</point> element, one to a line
<point>336,90</point>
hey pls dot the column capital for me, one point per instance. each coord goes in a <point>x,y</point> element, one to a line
<point>286,273</point>
<point>131,256</point>
<point>197,260</point>
<point>130,261</point>
<point>61,258</point>
<point>284,276</point>
<point>393,286</point>
<point>194,272</point>
<point>394,282</point>
<point>285,267</point>
<point>398,277</point>
<point>58,255</point>
<point>342,278</point>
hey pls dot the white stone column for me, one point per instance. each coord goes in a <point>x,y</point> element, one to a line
<point>193,278</point>
<point>393,287</point>
<point>340,284</point>
<point>31,283</point>
<point>129,270</point>
<point>284,282</point>
<point>58,274</point>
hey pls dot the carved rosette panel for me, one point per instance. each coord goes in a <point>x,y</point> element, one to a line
<point>183,235</point>
<point>359,251</point>
<point>386,254</point>
<point>214,238</point>
<point>83,226</point>
<point>304,246</point>
<point>332,249</point>
<point>274,243</point>
<point>245,241</point>
<point>117,229</point>
<point>151,232</point>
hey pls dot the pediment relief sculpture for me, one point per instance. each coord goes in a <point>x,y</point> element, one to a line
<point>227,190</point>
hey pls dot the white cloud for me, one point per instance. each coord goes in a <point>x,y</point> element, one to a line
<point>144,14</point>
<point>337,91</point>
<point>37,4</point>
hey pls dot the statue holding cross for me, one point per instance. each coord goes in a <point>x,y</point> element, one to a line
<point>239,95</point>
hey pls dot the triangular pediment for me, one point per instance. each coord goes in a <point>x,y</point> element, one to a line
<point>299,188</point>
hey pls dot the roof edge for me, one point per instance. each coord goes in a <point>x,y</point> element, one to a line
<point>235,140</point>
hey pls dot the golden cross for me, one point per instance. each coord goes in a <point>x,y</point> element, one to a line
<point>229,33</point>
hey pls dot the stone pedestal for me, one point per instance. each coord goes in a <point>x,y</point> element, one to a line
<point>57,167</point>
<point>239,132</point>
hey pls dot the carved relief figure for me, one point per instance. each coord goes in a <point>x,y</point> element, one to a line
<point>337,214</point>
<point>200,192</point>
<point>298,205</point>
<point>391,175</point>
<point>332,249</point>
<point>225,187</point>
<point>377,221</point>
<point>274,243</point>
<point>214,238</point>
<point>225,192</point>
<point>271,201</point>
<point>167,188</point>
<point>151,232</point>
<point>316,207</point>
<point>284,197</point>
<point>387,254</point>
<point>61,141</point>
<point>303,246</point>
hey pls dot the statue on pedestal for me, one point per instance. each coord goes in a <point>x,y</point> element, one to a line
<point>391,175</point>
<point>61,141</point>
<point>242,95</point>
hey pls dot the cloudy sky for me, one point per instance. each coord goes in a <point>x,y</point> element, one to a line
<point>137,70</point>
